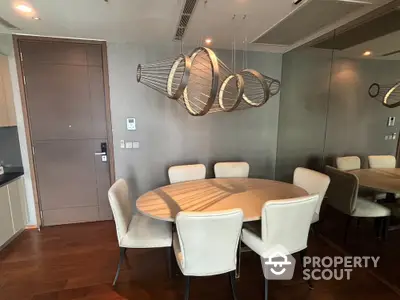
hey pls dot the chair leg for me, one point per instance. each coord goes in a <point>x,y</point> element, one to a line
<point>265,289</point>
<point>303,253</point>
<point>346,231</point>
<point>385,228</point>
<point>187,288</point>
<point>232,279</point>
<point>122,252</point>
<point>169,261</point>
<point>238,262</point>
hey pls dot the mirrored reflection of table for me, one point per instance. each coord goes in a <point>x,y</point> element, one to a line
<point>215,194</point>
<point>382,180</point>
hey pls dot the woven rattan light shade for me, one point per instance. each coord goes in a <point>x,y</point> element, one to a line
<point>168,77</point>
<point>202,83</point>
<point>387,94</point>
<point>202,86</point>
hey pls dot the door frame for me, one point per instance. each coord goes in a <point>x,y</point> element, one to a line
<point>27,125</point>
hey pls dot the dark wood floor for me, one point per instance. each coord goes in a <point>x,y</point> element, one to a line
<point>362,240</point>
<point>79,262</point>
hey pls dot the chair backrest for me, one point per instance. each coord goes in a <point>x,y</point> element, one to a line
<point>209,241</point>
<point>347,163</point>
<point>381,161</point>
<point>287,222</point>
<point>231,169</point>
<point>186,173</point>
<point>343,190</point>
<point>313,182</point>
<point>121,206</point>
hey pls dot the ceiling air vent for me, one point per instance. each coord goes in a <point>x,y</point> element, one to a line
<point>7,24</point>
<point>185,16</point>
<point>309,18</point>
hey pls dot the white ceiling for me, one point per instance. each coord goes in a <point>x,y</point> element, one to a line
<point>155,21</point>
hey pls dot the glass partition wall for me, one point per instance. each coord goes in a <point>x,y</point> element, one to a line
<point>328,110</point>
<point>325,108</point>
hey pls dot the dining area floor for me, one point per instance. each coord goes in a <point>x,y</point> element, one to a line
<point>78,262</point>
<point>361,241</point>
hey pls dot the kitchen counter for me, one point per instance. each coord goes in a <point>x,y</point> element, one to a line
<point>8,177</point>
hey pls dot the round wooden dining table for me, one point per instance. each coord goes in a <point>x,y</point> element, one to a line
<point>383,180</point>
<point>209,195</point>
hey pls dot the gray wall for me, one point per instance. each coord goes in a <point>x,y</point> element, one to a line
<point>303,110</point>
<point>325,109</point>
<point>10,152</point>
<point>168,135</point>
<point>357,124</point>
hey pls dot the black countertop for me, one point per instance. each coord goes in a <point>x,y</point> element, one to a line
<point>10,176</point>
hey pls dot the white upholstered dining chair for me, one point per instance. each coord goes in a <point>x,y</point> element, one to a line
<point>348,163</point>
<point>343,196</point>
<point>205,244</point>
<point>381,161</point>
<point>283,222</point>
<point>231,169</point>
<point>186,173</point>
<point>134,230</point>
<point>314,183</point>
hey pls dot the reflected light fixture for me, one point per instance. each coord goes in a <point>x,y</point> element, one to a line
<point>24,8</point>
<point>208,41</point>
<point>36,18</point>
<point>367,53</point>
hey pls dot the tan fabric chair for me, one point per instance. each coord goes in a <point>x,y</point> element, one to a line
<point>348,163</point>
<point>135,231</point>
<point>283,222</point>
<point>231,169</point>
<point>343,196</point>
<point>314,183</point>
<point>186,173</point>
<point>381,161</point>
<point>206,244</point>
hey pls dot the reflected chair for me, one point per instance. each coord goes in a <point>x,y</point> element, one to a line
<point>348,163</point>
<point>231,169</point>
<point>134,230</point>
<point>314,183</point>
<point>381,161</point>
<point>343,196</point>
<point>283,222</point>
<point>205,244</point>
<point>186,173</point>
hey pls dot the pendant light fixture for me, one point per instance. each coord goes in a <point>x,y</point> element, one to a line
<point>387,94</point>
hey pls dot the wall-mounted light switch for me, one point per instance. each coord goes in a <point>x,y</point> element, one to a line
<point>128,145</point>
<point>122,143</point>
<point>135,145</point>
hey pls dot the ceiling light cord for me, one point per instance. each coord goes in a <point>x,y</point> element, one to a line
<point>234,44</point>
<point>245,43</point>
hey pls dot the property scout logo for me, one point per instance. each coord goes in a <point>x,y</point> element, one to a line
<point>278,264</point>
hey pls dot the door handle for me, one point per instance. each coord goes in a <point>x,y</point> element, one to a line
<point>100,153</point>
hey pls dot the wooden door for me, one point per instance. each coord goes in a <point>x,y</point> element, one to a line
<point>66,104</point>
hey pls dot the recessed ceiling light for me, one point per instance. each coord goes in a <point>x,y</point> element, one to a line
<point>36,18</point>
<point>208,41</point>
<point>24,8</point>
<point>367,53</point>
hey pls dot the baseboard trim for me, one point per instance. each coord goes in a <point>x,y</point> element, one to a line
<point>11,239</point>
